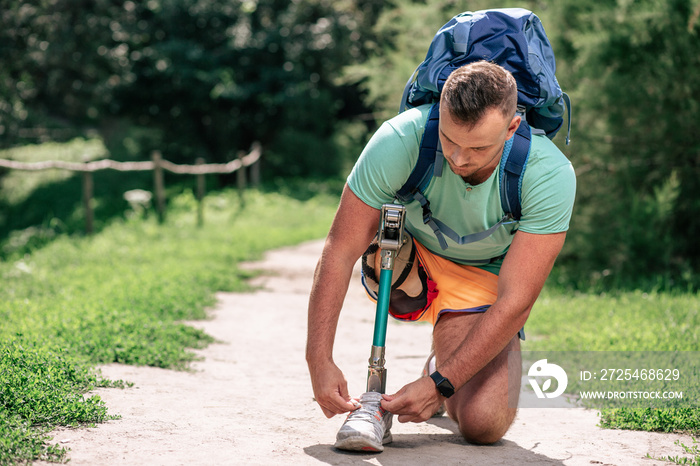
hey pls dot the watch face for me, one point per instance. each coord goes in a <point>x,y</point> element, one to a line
<point>446,388</point>
<point>443,385</point>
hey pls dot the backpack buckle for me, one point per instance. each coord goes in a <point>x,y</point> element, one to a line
<point>427,214</point>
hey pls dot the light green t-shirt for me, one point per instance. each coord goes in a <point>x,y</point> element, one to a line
<point>547,193</point>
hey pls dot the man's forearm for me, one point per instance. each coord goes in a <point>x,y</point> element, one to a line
<point>331,280</point>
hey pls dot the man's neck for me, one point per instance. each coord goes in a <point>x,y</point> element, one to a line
<point>485,173</point>
<point>478,178</point>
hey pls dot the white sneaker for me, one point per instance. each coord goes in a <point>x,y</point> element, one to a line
<point>367,428</point>
<point>428,369</point>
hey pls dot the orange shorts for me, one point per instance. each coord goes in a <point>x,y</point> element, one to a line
<point>451,287</point>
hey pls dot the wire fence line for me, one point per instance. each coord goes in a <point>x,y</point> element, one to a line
<point>157,165</point>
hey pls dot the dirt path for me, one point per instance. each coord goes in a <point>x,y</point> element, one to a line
<point>249,401</point>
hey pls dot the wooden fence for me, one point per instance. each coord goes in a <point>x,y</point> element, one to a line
<point>157,165</point>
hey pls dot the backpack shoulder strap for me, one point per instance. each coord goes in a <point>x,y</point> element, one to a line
<point>511,171</point>
<point>426,165</point>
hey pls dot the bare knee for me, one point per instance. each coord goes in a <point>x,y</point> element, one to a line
<point>483,428</point>
<point>482,435</point>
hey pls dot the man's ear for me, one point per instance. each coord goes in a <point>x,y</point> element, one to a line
<point>513,127</point>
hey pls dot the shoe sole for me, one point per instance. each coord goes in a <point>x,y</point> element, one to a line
<point>360,443</point>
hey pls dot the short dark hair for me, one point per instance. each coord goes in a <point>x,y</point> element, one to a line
<point>476,87</point>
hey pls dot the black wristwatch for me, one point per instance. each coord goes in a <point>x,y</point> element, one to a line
<point>443,385</point>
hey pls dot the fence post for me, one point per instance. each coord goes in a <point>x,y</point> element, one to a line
<point>201,187</point>
<point>240,174</point>
<point>88,186</point>
<point>255,174</point>
<point>159,185</point>
<point>240,180</point>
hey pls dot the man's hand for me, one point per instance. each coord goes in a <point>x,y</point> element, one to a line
<point>415,402</point>
<point>331,390</point>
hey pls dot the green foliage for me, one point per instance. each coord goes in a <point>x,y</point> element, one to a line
<point>305,189</point>
<point>44,387</point>
<point>16,186</point>
<point>652,420</point>
<point>311,79</point>
<point>21,442</point>
<point>126,287</point>
<point>693,450</point>
<point>205,78</point>
<point>619,321</point>
<point>628,67</point>
<point>41,387</point>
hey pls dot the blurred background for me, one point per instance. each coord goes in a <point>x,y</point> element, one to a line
<point>312,79</point>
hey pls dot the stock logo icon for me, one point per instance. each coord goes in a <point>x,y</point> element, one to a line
<point>541,369</point>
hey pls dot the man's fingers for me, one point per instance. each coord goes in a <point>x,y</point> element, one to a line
<point>348,406</point>
<point>394,403</point>
<point>337,405</point>
<point>395,400</point>
<point>409,404</point>
<point>331,391</point>
<point>343,389</point>
<point>413,416</point>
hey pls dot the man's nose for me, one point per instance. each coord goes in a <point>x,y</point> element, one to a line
<point>459,157</point>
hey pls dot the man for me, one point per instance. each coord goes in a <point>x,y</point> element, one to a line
<point>477,310</point>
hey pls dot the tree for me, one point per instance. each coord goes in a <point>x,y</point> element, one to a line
<point>53,77</point>
<point>631,66</point>
<point>206,78</point>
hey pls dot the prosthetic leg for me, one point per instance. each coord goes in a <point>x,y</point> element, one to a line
<point>390,239</point>
<point>368,428</point>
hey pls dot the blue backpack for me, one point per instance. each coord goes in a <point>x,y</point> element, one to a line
<point>515,39</point>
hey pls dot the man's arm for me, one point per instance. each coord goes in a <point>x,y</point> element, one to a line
<point>524,271</point>
<point>353,228</point>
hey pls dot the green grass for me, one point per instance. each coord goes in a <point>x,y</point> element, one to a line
<point>693,450</point>
<point>120,296</point>
<point>616,321</point>
<point>622,321</point>
<point>43,387</point>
